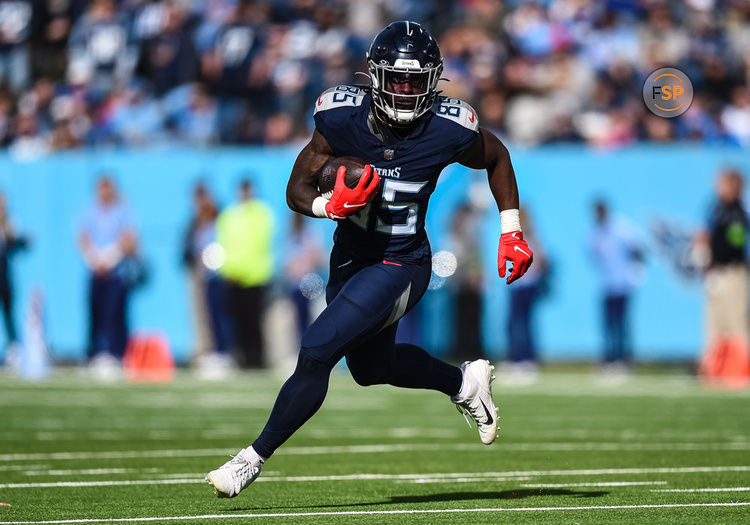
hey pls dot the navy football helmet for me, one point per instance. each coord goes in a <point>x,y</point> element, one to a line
<point>404,64</point>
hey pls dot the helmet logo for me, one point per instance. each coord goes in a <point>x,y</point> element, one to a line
<point>406,63</point>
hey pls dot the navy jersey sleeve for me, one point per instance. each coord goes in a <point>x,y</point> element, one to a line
<point>333,111</point>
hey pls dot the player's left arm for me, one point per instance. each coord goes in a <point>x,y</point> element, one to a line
<point>488,152</point>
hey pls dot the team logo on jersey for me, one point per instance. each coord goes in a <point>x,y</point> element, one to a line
<point>388,154</point>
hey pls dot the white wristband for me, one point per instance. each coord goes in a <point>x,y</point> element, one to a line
<point>510,221</point>
<point>319,207</point>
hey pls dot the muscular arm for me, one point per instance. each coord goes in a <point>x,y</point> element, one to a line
<point>487,152</point>
<point>302,187</point>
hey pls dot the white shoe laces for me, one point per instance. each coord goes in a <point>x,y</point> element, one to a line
<point>241,471</point>
<point>463,412</point>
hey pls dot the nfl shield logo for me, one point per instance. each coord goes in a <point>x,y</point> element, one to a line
<point>388,154</point>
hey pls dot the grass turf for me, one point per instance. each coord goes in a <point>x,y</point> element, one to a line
<point>567,441</point>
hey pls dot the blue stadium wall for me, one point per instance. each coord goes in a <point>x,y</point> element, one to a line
<point>47,197</point>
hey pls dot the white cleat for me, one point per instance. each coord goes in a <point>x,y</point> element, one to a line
<point>476,398</point>
<point>236,474</point>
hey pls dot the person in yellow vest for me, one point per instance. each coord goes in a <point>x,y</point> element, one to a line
<point>245,231</point>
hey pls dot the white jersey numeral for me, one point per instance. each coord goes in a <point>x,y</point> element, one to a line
<point>388,202</point>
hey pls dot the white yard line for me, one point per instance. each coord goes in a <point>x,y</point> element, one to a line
<point>713,489</point>
<point>373,513</point>
<point>100,483</point>
<point>382,448</point>
<point>416,478</point>
<point>21,467</point>
<point>91,471</point>
<point>121,454</point>
<point>593,484</point>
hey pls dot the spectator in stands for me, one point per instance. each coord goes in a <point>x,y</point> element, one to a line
<point>6,118</point>
<point>196,117</point>
<point>168,55</point>
<point>245,232</point>
<point>233,68</point>
<point>736,116</point>
<point>616,252</point>
<point>136,118</point>
<point>10,243</point>
<point>203,257</point>
<point>102,52</point>
<point>108,244</point>
<point>16,24</point>
<point>55,21</point>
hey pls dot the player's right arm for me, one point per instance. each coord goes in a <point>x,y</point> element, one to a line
<point>302,193</point>
<point>302,188</point>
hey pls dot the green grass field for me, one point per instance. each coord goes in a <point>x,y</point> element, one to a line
<point>657,449</point>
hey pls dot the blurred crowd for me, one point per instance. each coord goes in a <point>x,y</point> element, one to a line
<point>132,73</point>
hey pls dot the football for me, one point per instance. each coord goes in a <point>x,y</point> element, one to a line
<point>327,176</point>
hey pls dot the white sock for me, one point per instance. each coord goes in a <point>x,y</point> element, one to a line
<point>252,456</point>
<point>465,389</point>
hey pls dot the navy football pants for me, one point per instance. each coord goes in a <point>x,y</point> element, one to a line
<point>365,302</point>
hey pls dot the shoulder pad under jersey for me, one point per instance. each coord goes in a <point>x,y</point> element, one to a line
<point>458,111</point>
<point>338,97</point>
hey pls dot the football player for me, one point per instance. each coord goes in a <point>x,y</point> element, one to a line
<point>380,265</point>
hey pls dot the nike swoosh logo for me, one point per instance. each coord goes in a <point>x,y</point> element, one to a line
<point>347,263</point>
<point>347,205</point>
<point>516,248</point>
<point>515,235</point>
<point>489,417</point>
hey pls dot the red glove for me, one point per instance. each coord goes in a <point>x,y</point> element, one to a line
<point>347,201</point>
<point>514,249</point>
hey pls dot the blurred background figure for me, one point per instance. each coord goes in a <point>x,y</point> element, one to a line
<point>16,25</point>
<point>467,283</point>
<point>245,232</point>
<point>101,49</point>
<point>234,66</point>
<point>616,253</point>
<point>724,244</point>
<point>108,244</point>
<point>11,243</point>
<point>203,257</point>
<point>302,270</point>
<point>524,297</point>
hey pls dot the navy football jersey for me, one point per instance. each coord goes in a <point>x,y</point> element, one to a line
<point>392,225</point>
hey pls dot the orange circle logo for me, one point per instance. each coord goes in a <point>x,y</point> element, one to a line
<point>668,92</point>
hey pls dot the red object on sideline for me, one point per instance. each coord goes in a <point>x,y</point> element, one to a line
<point>148,358</point>
<point>726,365</point>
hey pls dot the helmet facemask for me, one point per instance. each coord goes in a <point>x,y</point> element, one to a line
<point>404,91</point>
